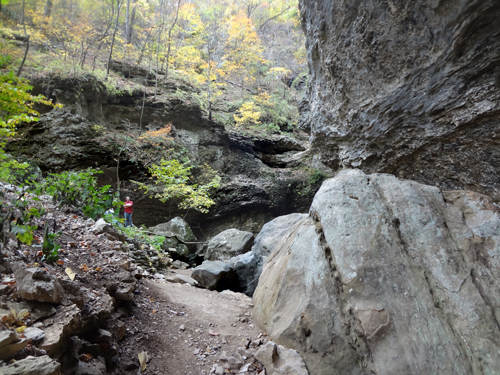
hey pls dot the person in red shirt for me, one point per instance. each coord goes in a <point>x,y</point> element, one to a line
<point>128,211</point>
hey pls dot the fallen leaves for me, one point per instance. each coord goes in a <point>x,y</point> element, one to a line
<point>143,359</point>
<point>70,273</point>
<point>85,268</point>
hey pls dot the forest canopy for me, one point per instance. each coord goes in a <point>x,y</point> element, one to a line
<point>246,58</point>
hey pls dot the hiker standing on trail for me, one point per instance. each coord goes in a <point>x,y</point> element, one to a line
<point>128,211</point>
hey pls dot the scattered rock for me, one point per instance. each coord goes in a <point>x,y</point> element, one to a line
<point>33,366</point>
<point>97,366</point>
<point>247,268</point>
<point>124,291</point>
<point>217,370</point>
<point>4,289</point>
<point>182,279</point>
<point>10,344</point>
<point>280,360</point>
<point>121,330</point>
<point>37,284</point>
<point>102,227</point>
<point>214,275</point>
<point>36,335</point>
<point>66,323</point>
<point>177,227</point>
<point>177,264</point>
<point>124,263</point>
<point>38,310</point>
<point>228,244</point>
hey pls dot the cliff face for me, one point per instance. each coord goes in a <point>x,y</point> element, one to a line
<point>264,175</point>
<point>410,88</point>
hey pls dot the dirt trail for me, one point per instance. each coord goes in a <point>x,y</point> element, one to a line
<point>187,330</point>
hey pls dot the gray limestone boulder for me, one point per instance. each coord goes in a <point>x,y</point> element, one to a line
<point>214,275</point>
<point>177,227</point>
<point>387,276</point>
<point>181,279</point>
<point>273,231</point>
<point>10,344</point>
<point>43,365</point>
<point>247,268</point>
<point>67,322</point>
<point>36,284</point>
<point>36,335</point>
<point>279,360</point>
<point>228,244</point>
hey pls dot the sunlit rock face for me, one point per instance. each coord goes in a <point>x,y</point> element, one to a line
<point>387,276</point>
<point>410,88</point>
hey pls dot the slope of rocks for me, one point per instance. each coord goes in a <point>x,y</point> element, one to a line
<point>407,88</point>
<point>387,276</point>
<point>110,300</point>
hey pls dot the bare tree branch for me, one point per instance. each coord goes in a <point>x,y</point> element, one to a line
<point>272,18</point>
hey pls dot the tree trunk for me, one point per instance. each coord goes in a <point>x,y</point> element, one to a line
<point>127,22</point>
<point>169,42</point>
<point>160,30</point>
<point>119,3</point>
<point>208,82</point>
<point>25,54</point>
<point>48,8</point>
<point>131,28</point>
<point>27,40</point>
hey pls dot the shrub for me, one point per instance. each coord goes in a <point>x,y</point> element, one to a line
<point>78,189</point>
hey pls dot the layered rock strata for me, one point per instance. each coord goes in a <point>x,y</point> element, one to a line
<point>408,88</point>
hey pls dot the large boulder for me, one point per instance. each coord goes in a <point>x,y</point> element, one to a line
<point>387,276</point>
<point>273,231</point>
<point>228,244</point>
<point>247,268</point>
<point>176,232</point>
<point>177,228</point>
<point>406,87</point>
<point>214,275</point>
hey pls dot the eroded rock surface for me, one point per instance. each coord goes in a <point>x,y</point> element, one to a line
<point>213,275</point>
<point>387,276</point>
<point>272,232</point>
<point>33,366</point>
<point>279,360</point>
<point>409,88</point>
<point>230,243</point>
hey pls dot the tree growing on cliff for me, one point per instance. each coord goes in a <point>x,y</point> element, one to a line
<point>174,180</point>
<point>16,106</point>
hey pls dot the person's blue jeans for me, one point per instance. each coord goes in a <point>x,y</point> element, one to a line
<point>128,219</point>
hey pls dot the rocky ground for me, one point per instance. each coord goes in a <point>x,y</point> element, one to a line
<point>109,305</point>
